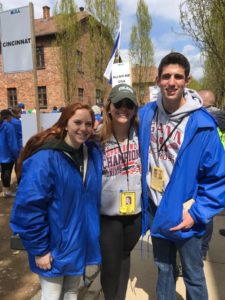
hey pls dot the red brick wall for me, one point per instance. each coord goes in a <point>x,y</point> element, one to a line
<point>49,76</point>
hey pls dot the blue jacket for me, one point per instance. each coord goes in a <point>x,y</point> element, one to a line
<point>18,128</point>
<point>198,173</point>
<point>9,150</point>
<point>55,211</point>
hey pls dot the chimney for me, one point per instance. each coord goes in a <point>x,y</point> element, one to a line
<point>81,8</point>
<point>46,12</point>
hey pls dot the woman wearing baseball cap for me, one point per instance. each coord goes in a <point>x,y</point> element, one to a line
<point>122,222</point>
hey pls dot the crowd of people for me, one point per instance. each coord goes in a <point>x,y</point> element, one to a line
<point>92,184</point>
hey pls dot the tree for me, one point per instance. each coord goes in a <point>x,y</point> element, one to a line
<point>67,36</point>
<point>195,84</point>
<point>141,49</point>
<point>204,22</point>
<point>103,28</point>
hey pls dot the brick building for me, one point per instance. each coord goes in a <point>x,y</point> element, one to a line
<point>147,80</point>
<point>19,87</point>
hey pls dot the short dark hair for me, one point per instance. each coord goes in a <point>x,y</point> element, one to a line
<point>5,114</point>
<point>174,58</point>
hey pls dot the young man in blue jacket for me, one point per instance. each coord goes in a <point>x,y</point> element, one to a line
<point>183,177</point>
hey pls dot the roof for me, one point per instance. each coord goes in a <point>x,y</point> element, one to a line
<point>48,26</point>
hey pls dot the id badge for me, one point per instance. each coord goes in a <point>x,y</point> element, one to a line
<point>127,203</point>
<point>157,179</point>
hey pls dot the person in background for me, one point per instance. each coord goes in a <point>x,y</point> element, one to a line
<point>98,117</point>
<point>16,115</point>
<point>208,98</point>
<point>56,210</point>
<point>54,109</point>
<point>121,223</point>
<point>22,106</point>
<point>9,151</point>
<point>209,102</point>
<point>101,106</point>
<point>180,139</point>
<point>220,117</point>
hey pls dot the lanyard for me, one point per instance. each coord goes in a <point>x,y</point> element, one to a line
<point>159,149</point>
<point>123,160</point>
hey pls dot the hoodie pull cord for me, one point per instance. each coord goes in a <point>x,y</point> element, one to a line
<point>169,135</point>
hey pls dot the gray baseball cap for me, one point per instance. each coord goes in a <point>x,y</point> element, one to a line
<point>122,91</point>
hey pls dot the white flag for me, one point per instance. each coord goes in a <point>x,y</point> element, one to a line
<point>108,71</point>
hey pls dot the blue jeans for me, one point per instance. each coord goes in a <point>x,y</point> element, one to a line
<point>207,238</point>
<point>192,266</point>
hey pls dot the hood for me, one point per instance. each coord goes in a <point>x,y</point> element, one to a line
<point>219,115</point>
<point>58,144</point>
<point>193,102</point>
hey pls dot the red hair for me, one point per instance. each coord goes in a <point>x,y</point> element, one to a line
<point>58,130</point>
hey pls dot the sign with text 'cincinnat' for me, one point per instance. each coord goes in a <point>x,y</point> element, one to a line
<point>16,40</point>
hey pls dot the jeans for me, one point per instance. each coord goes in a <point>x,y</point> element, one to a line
<point>164,252</point>
<point>59,288</point>
<point>207,238</point>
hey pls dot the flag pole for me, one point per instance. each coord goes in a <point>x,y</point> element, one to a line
<point>33,42</point>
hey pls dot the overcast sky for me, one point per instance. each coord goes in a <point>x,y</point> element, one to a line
<point>165,34</point>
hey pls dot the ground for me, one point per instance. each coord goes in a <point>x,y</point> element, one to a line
<point>16,280</point>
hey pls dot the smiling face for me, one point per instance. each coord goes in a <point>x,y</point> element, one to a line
<point>124,114</point>
<point>79,128</point>
<point>172,82</point>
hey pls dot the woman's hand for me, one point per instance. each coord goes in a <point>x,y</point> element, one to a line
<point>44,262</point>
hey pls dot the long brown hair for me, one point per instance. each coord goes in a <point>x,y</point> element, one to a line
<point>58,130</point>
<point>107,126</point>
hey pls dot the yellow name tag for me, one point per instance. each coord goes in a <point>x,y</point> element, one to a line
<point>127,203</point>
<point>157,179</point>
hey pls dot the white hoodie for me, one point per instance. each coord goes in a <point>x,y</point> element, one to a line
<point>162,125</point>
<point>114,178</point>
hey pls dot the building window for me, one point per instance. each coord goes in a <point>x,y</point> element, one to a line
<point>40,57</point>
<point>80,94</point>
<point>98,96</point>
<point>142,91</point>
<point>42,97</point>
<point>12,97</point>
<point>79,61</point>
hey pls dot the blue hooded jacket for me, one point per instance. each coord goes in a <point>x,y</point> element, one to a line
<point>18,128</point>
<point>198,173</point>
<point>55,211</point>
<point>9,150</point>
